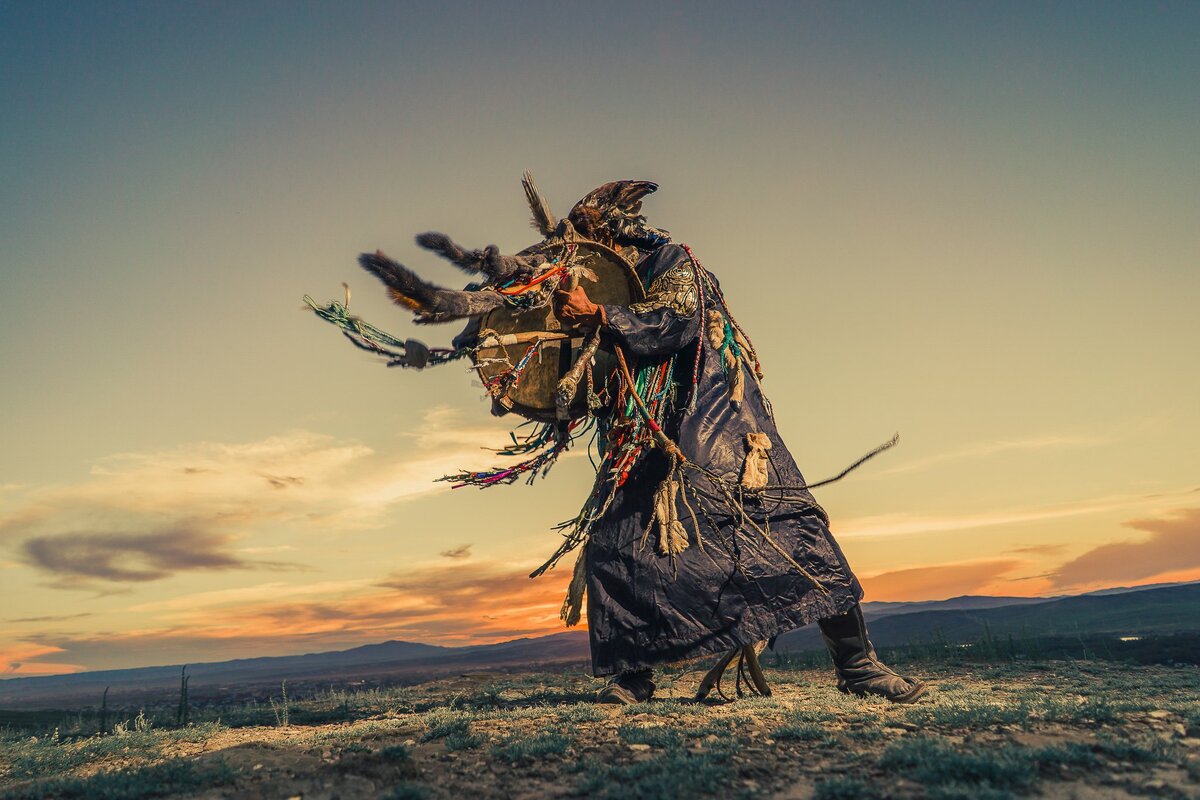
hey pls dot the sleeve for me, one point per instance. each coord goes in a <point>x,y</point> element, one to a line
<point>667,320</point>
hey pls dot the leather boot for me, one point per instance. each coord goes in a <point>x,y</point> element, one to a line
<point>628,688</point>
<point>859,669</point>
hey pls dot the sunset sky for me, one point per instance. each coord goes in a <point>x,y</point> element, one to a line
<point>974,224</point>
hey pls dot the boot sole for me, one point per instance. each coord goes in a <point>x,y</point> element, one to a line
<point>619,696</point>
<point>911,696</point>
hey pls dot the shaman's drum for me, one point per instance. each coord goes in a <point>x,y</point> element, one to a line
<point>607,278</point>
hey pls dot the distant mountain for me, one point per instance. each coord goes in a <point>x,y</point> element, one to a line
<point>1161,610</point>
<point>1127,589</point>
<point>975,602</point>
<point>394,661</point>
<point>1136,611</point>
<point>964,603</point>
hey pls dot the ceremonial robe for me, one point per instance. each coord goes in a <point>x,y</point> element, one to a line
<point>729,587</point>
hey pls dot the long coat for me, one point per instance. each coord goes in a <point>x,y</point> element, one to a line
<point>729,587</point>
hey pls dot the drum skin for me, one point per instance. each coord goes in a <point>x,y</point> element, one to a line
<point>533,394</point>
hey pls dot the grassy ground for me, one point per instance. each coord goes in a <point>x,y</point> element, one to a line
<point>1055,729</point>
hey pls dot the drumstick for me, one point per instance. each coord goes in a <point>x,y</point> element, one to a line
<point>569,385</point>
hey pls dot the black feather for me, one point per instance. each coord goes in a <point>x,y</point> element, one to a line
<point>430,302</point>
<point>488,261</point>
<point>543,218</point>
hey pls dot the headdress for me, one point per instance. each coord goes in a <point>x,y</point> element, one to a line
<point>612,213</point>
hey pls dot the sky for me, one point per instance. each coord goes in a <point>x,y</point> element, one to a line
<point>972,224</point>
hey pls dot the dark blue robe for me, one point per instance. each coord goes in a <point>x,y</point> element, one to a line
<point>645,608</point>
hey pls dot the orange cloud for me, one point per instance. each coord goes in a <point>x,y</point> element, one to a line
<point>940,581</point>
<point>449,603</point>
<point>1172,549</point>
<point>906,524</point>
<point>146,516</point>
<point>24,659</point>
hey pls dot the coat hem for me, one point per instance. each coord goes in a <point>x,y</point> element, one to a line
<point>804,613</point>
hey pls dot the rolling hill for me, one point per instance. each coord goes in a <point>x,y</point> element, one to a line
<point>1150,611</point>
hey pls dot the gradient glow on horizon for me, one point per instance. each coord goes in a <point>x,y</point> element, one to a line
<point>975,225</point>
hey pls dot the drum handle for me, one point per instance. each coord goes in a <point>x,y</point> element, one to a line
<point>523,337</point>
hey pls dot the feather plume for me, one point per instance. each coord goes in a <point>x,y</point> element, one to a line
<point>430,303</point>
<point>613,213</point>
<point>543,218</point>
<point>498,268</point>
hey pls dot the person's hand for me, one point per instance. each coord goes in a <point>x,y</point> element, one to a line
<point>575,307</point>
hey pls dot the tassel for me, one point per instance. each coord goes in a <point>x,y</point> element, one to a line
<point>672,536</point>
<point>714,330</point>
<point>748,353</point>
<point>754,468</point>
<point>572,607</point>
<point>737,381</point>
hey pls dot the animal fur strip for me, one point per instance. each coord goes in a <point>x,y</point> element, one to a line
<point>672,536</point>
<point>431,303</point>
<point>498,268</point>
<point>572,607</point>
<point>543,218</point>
<point>754,468</point>
<point>714,328</point>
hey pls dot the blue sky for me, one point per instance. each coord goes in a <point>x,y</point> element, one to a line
<point>974,224</point>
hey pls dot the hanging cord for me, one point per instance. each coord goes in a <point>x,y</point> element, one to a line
<point>732,494</point>
<point>365,336</point>
<point>551,439</point>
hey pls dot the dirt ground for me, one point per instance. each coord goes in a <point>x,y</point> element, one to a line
<point>1057,730</point>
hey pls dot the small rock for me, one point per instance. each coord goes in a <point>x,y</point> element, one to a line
<point>1155,784</point>
<point>901,724</point>
<point>1191,741</point>
<point>257,767</point>
<point>639,747</point>
<point>1159,714</point>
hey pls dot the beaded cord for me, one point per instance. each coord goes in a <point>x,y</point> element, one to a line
<point>702,297</point>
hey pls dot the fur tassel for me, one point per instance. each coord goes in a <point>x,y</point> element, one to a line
<point>431,303</point>
<point>543,218</point>
<point>498,268</point>
<point>672,536</point>
<point>572,607</point>
<point>715,332</point>
<point>754,468</point>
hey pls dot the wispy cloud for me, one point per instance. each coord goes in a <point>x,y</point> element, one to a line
<point>145,516</point>
<point>1040,549</point>
<point>988,449</point>
<point>1172,546</point>
<point>26,658</point>
<point>76,560</point>
<point>445,602</point>
<point>907,524</point>
<point>938,581</point>
<point>462,551</point>
<point>49,618</point>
